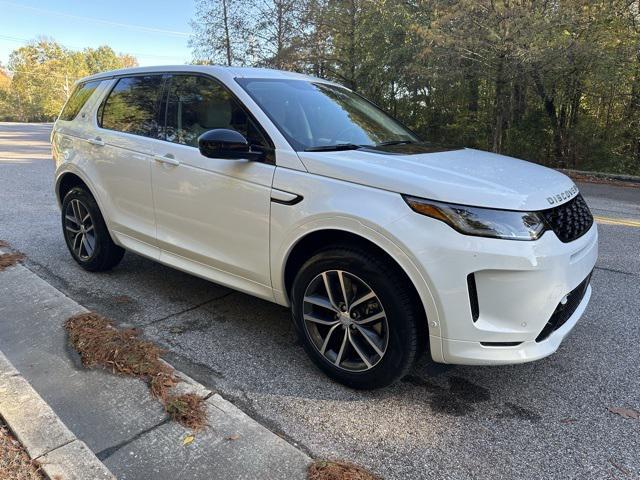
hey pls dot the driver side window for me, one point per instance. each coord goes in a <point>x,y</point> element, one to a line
<point>196,104</point>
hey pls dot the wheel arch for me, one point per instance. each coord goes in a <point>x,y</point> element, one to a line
<point>312,241</point>
<point>70,178</point>
<point>66,181</point>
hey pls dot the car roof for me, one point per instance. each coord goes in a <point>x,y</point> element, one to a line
<point>215,70</point>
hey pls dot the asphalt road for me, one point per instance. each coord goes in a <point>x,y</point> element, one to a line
<point>547,419</point>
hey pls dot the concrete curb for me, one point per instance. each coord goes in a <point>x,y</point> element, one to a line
<point>618,177</point>
<point>43,435</point>
<point>256,453</point>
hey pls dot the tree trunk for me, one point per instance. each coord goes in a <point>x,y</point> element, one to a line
<point>499,103</point>
<point>279,34</point>
<point>473,86</point>
<point>519,98</point>
<point>550,109</point>
<point>634,110</point>
<point>352,45</point>
<point>227,36</point>
<point>573,120</point>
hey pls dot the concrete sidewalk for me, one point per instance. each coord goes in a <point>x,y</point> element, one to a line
<point>45,438</point>
<point>115,416</point>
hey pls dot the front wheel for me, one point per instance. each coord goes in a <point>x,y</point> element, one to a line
<point>356,317</point>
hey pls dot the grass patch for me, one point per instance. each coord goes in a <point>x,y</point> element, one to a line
<point>101,344</point>
<point>330,470</point>
<point>15,463</point>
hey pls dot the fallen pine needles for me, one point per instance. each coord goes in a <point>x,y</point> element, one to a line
<point>101,344</point>
<point>335,470</point>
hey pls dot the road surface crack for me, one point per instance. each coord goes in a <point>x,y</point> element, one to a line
<point>194,307</point>
<point>109,451</point>
<point>613,270</point>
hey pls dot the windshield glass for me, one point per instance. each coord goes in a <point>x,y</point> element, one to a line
<point>314,115</point>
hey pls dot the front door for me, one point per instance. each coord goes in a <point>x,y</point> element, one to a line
<point>212,214</point>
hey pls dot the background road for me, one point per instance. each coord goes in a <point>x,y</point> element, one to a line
<point>546,419</point>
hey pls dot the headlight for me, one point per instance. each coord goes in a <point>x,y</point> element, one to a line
<point>480,221</point>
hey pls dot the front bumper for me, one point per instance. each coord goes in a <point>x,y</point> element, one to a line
<point>475,353</point>
<point>518,286</point>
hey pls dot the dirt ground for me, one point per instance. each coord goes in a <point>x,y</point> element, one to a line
<point>15,464</point>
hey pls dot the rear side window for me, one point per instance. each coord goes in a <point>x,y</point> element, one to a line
<point>77,99</point>
<point>132,106</point>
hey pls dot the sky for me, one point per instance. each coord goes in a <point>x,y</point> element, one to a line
<point>156,32</point>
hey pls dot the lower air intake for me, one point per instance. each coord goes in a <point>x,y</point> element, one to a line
<point>564,311</point>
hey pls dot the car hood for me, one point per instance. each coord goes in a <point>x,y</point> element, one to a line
<point>464,176</point>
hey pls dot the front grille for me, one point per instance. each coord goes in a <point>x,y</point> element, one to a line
<point>570,220</point>
<point>564,311</point>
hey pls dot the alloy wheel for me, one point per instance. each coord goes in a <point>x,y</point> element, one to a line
<point>79,229</point>
<point>345,320</point>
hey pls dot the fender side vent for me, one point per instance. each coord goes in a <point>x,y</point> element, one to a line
<point>500,344</point>
<point>473,297</point>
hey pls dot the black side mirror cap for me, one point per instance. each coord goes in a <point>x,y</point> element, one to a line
<point>227,144</point>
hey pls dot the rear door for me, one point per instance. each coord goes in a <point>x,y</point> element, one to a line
<point>124,143</point>
<point>212,214</point>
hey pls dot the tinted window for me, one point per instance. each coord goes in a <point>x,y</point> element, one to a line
<point>132,106</point>
<point>317,114</point>
<point>197,104</point>
<point>77,100</point>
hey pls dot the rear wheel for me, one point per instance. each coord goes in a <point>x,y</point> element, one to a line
<point>86,234</point>
<point>356,317</point>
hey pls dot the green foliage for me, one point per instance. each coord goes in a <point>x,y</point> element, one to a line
<point>557,82</point>
<point>43,75</point>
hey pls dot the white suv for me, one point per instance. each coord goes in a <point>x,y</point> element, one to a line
<point>299,191</point>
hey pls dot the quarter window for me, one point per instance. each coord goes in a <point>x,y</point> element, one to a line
<point>77,100</point>
<point>132,106</point>
<point>197,104</point>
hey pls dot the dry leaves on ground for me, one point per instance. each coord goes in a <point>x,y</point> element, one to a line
<point>625,412</point>
<point>187,409</point>
<point>329,470</point>
<point>10,259</point>
<point>15,464</point>
<point>101,344</point>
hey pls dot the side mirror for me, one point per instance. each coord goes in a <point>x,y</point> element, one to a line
<point>227,144</point>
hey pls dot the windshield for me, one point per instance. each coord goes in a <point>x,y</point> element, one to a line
<point>315,115</point>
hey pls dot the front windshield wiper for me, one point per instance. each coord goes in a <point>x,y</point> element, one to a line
<point>394,142</point>
<point>336,148</point>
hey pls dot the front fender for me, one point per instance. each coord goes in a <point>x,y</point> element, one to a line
<point>368,232</point>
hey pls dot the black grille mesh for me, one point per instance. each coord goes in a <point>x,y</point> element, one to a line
<point>564,311</point>
<point>570,220</point>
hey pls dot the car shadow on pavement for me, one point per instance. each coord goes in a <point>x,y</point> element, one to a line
<point>244,344</point>
<point>247,348</point>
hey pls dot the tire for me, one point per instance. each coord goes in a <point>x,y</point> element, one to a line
<point>395,333</point>
<point>88,240</point>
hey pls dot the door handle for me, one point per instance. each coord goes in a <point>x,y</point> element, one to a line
<point>98,142</point>
<point>168,159</point>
